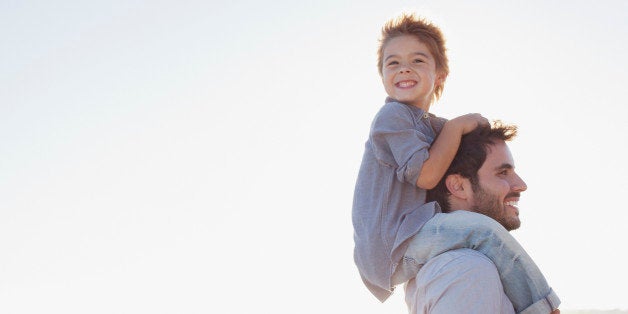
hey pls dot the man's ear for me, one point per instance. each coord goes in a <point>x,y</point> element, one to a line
<point>458,186</point>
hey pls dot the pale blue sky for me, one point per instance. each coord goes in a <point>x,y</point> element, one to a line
<point>199,157</point>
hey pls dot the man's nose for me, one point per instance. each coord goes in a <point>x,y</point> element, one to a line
<point>519,185</point>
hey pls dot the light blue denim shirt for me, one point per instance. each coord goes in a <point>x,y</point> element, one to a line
<point>388,207</point>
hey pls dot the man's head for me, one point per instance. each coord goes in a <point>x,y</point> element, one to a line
<point>429,58</point>
<point>482,177</point>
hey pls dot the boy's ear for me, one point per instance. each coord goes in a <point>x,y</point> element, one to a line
<point>458,186</point>
<point>440,79</point>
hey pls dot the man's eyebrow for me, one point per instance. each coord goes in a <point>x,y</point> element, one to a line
<point>414,54</point>
<point>504,166</point>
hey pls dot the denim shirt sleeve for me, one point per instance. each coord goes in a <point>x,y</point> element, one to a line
<point>399,142</point>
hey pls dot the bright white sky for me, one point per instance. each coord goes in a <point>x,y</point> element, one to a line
<point>200,157</point>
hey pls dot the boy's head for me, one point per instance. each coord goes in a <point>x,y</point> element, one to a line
<point>410,26</point>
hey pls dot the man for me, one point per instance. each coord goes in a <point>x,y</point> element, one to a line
<point>481,179</point>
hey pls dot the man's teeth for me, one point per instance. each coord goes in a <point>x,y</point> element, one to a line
<point>512,203</point>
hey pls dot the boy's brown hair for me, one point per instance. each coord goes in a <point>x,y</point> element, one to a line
<point>426,32</point>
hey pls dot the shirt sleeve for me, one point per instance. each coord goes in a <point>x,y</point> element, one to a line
<point>459,281</point>
<point>398,143</point>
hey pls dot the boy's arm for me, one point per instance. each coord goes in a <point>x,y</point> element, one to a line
<point>444,148</point>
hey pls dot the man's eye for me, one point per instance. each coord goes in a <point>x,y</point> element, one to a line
<point>418,61</point>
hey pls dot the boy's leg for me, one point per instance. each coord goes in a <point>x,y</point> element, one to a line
<point>523,282</point>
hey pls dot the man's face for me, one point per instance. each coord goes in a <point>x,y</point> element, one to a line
<point>497,193</point>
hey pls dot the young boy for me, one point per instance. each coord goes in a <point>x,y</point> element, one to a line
<point>407,153</point>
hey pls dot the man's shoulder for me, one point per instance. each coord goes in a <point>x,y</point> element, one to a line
<point>460,261</point>
<point>460,279</point>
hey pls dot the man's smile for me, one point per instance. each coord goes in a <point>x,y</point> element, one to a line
<point>512,203</point>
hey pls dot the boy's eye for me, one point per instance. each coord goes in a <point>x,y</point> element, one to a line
<point>393,63</point>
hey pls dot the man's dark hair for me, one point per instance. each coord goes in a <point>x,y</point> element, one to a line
<point>472,152</point>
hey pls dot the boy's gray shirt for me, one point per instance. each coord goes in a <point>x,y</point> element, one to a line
<point>388,207</point>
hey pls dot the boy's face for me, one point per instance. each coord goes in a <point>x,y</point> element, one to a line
<point>409,71</point>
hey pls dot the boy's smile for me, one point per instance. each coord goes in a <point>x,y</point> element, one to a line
<point>409,71</point>
<point>406,84</point>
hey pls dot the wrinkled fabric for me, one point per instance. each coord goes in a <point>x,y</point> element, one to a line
<point>458,281</point>
<point>386,196</point>
<point>522,280</point>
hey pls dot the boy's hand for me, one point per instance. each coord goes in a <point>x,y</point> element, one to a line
<point>469,122</point>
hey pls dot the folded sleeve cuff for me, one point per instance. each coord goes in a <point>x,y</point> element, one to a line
<point>544,306</point>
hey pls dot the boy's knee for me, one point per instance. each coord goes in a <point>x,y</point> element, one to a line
<point>478,222</point>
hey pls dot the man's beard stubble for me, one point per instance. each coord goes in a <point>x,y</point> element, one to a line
<point>490,205</point>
